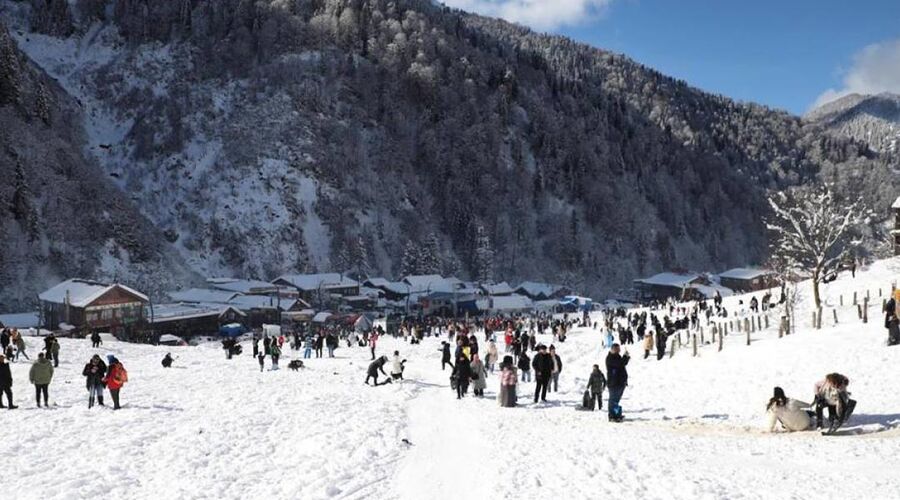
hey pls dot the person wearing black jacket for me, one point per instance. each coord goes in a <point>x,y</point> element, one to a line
<point>891,322</point>
<point>463,373</point>
<point>617,380</point>
<point>445,356</point>
<point>6,382</point>
<point>374,368</point>
<point>96,340</point>
<point>94,373</point>
<point>661,339</point>
<point>543,370</point>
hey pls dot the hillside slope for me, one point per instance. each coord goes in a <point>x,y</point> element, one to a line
<point>59,217</point>
<point>873,119</point>
<point>267,137</point>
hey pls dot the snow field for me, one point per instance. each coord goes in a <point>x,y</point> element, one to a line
<point>212,428</point>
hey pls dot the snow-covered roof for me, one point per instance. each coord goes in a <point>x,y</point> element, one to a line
<point>310,282</point>
<point>502,288</point>
<point>744,273</point>
<point>321,317</point>
<point>536,289</point>
<point>263,302</point>
<point>168,337</point>
<point>422,281</point>
<point>670,279</point>
<point>81,292</point>
<point>21,320</point>
<point>709,291</point>
<point>242,286</point>
<point>202,295</point>
<point>896,203</point>
<point>396,287</point>
<point>179,311</point>
<point>510,303</point>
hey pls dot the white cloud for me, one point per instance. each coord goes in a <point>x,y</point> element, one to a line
<point>876,69</point>
<point>538,14</point>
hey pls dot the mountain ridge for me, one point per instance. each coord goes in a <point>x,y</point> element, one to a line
<point>268,137</point>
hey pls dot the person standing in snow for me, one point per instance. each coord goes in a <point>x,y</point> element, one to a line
<point>373,340</point>
<point>525,366</point>
<point>6,382</point>
<point>4,340</point>
<point>276,353</point>
<point>661,339</point>
<point>255,346</point>
<point>167,360</point>
<point>375,367</point>
<point>596,384</point>
<point>261,357</point>
<point>557,369</point>
<point>40,375</point>
<point>508,380</point>
<point>617,379</point>
<point>648,345</point>
<point>463,373</point>
<point>397,366</point>
<point>790,413</point>
<point>96,341</point>
<point>54,351</point>
<point>331,342</point>
<point>320,341</point>
<point>610,339</point>
<point>479,376</point>
<point>94,373</point>
<point>891,321</point>
<point>116,377</point>
<point>492,356</point>
<point>543,371</point>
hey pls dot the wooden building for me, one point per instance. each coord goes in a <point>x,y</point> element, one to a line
<point>89,306</point>
<point>741,279</point>
<point>190,320</point>
<point>663,286</point>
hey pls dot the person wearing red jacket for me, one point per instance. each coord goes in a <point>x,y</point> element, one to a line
<point>116,377</point>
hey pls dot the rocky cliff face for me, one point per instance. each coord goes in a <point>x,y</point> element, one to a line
<point>391,136</point>
<point>59,216</point>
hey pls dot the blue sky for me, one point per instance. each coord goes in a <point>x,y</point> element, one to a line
<point>786,54</point>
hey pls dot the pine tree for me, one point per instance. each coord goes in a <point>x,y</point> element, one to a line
<point>409,263</point>
<point>484,256</point>
<point>21,207</point>
<point>430,261</point>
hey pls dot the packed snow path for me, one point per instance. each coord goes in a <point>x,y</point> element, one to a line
<point>213,428</point>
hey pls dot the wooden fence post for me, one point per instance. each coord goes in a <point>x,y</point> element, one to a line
<point>842,301</point>
<point>859,311</point>
<point>854,299</point>
<point>695,344</point>
<point>748,337</point>
<point>702,340</point>
<point>834,311</point>
<point>767,321</point>
<point>866,309</point>
<point>813,319</point>
<point>672,349</point>
<point>819,319</point>
<point>867,295</point>
<point>720,342</point>
<point>781,327</point>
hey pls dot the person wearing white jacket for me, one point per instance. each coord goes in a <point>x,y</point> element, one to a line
<point>790,413</point>
<point>397,366</point>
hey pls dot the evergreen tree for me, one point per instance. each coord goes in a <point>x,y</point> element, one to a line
<point>409,262</point>
<point>484,256</point>
<point>430,261</point>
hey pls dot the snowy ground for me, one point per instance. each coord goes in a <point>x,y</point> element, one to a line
<point>210,428</point>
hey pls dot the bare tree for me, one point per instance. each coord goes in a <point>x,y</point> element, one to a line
<point>811,232</point>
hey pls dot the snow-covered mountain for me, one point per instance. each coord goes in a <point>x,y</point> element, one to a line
<point>873,119</point>
<point>268,137</point>
<point>59,216</point>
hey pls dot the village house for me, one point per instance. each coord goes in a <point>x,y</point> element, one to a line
<point>663,286</point>
<point>742,279</point>
<point>89,306</point>
<point>320,288</point>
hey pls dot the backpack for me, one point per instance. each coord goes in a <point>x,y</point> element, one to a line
<point>587,402</point>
